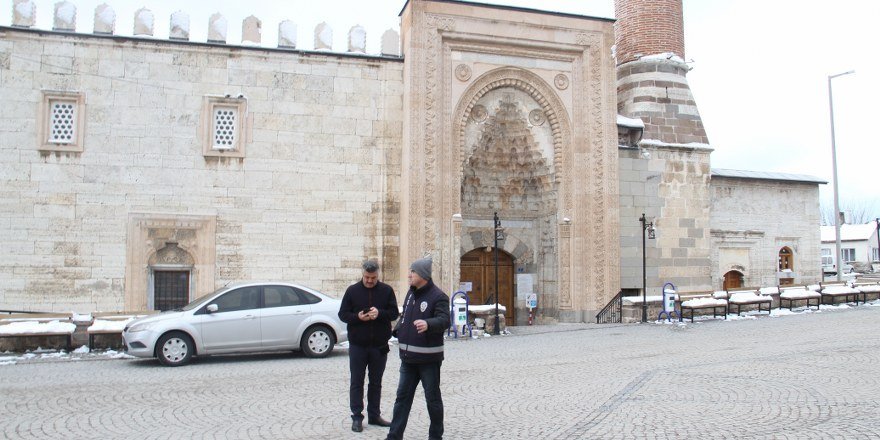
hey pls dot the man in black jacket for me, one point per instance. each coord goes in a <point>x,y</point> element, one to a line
<point>420,335</point>
<point>368,307</point>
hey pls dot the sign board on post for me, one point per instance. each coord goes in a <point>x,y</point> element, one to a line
<point>532,301</point>
<point>466,286</point>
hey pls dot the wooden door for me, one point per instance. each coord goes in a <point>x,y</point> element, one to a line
<point>733,280</point>
<point>478,268</point>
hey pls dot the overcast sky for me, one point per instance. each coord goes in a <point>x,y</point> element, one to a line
<point>760,69</point>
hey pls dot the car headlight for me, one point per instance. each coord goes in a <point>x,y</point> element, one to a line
<point>140,327</point>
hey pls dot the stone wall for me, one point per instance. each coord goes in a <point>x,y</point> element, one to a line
<point>309,193</point>
<point>670,185</point>
<point>753,219</point>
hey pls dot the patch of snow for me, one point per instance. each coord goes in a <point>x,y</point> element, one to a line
<point>782,312</point>
<point>21,327</point>
<point>486,308</point>
<point>659,143</point>
<point>696,302</point>
<point>769,290</point>
<point>668,56</point>
<point>180,20</point>
<point>630,122</point>
<point>82,350</point>
<point>638,299</point>
<point>839,290</point>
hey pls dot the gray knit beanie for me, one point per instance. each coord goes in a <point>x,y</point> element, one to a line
<point>422,267</point>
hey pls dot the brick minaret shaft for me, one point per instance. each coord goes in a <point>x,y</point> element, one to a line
<point>655,89</point>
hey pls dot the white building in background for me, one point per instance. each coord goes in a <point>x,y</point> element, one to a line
<point>858,244</point>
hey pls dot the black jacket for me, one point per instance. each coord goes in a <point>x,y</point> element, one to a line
<point>432,305</point>
<point>377,332</point>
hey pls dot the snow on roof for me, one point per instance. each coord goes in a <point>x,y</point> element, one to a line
<point>849,232</point>
<point>630,122</point>
<point>765,175</point>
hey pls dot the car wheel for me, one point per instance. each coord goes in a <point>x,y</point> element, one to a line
<point>317,342</point>
<point>175,349</point>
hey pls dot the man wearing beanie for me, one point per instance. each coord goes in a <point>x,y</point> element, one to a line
<point>368,307</point>
<point>420,335</point>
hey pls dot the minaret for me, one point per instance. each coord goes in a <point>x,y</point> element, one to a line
<point>651,83</point>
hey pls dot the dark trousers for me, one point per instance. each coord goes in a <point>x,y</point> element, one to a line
<point>410,375</point>
<point>360,359</point>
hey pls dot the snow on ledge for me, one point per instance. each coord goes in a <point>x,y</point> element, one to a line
<point>659,143</point>
<point>630,122</point>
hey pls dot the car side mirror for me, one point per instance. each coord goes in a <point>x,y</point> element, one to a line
<point>212,308</point>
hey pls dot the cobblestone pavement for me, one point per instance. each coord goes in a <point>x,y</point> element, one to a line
<point>811,375</point>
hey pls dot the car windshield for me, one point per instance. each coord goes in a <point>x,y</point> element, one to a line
<point>201,300</point>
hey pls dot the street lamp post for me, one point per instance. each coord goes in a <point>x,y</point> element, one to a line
<point>838,257</point>
<point>499,235</point>
<point>649,227</point>
<point>877,220</point>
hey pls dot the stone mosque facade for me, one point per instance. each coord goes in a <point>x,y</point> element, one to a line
<point>139,172</point>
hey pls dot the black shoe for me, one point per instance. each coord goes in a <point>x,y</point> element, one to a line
<point>357,425</point>
<point>379,421</point>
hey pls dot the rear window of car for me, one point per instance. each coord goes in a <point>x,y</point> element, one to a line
<point>307,297</point>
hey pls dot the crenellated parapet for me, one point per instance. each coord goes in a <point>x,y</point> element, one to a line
<point>64,20</point>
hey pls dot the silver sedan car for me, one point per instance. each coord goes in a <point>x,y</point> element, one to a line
<point>242,318</point>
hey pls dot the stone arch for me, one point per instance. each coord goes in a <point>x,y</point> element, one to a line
<point>519,250</point>
<point>171,255</point>
<point>531,84</point>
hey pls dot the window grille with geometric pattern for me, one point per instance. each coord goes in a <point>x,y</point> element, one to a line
<point>62,125</point>
<point>225,127</point>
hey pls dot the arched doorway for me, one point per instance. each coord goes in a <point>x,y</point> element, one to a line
<point>478,268</point>
<point>733,280</point>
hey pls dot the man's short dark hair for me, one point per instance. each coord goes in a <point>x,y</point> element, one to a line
<point>370,266</point>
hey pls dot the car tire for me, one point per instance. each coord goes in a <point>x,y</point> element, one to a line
<point>174,349</point>
<point>317,341</point>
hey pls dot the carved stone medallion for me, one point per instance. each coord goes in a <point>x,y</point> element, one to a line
<point>479,113</point>
<point>536,117</point>
<point>463,72</point>
<point>561,81</point>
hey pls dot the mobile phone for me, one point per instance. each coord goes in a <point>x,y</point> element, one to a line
<point>366,310</point>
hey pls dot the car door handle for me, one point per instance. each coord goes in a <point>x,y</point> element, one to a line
<point>249,317</point>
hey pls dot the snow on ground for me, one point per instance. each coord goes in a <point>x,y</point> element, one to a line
<point>774,313</point>
<point>42,355</point>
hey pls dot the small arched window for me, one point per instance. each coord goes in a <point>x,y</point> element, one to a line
<point>786,259</point>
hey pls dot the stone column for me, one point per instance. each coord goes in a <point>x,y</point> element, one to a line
<point>217,29</point>
<point>391,43</point>
<point>323,37</point>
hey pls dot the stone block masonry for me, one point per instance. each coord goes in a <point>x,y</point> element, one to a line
<point>306,202</point>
